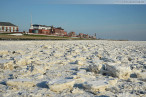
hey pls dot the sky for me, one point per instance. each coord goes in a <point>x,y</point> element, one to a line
<point>108,21</point>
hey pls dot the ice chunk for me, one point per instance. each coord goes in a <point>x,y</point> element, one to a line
<point>60,85</point>
<point>99,84</point>
<point>77,91</point>
<point>21,83</point>
<point>6,64</point>
<point>34,69</point>
<point>122,72</point>
<point>95,68</point>
<point>96,85</point>
<point>23,61</point>
<point>4,52</point>
<point>79,62</point>
<point>141,75</point>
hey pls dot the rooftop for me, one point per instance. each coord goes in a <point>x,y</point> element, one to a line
<point>41,25</point>
<point>59,28</point>
<point>6,24</point>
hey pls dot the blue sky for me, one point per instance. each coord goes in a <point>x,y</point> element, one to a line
<point>108,21</point>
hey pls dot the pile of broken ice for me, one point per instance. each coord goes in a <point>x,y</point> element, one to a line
<point>73,68</point>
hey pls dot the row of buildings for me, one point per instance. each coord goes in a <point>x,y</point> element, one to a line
<point>50,30</point>
<point>41,29</point>
<point>47,30</point>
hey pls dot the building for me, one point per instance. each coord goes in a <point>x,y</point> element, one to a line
<point>8,27</point>
<point>47,30</point>
<point>40,29</point>
<point>81,35</point>
<point>59,32</point>
<point>72,34</point>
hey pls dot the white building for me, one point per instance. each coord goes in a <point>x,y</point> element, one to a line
<point>44,27</point>
<point>8,27</point>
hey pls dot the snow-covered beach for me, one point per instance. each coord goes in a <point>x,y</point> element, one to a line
<point>84,68</point>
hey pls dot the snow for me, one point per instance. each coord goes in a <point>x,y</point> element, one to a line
<point>73,68</point>
<point>16,34</point>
